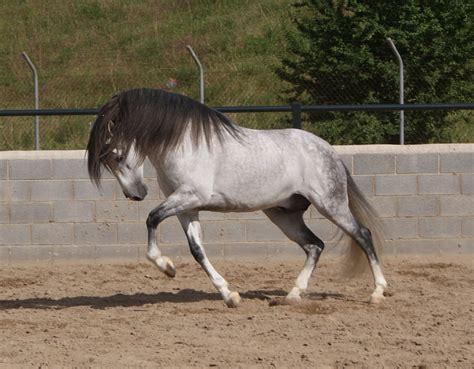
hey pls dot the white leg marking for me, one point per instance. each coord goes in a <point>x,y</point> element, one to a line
<point>153,254</point>
<point>301,283</point>
<point>380,284</point>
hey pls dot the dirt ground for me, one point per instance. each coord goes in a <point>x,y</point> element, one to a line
<point>130,316</point>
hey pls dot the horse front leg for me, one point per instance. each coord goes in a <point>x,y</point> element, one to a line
<point>176,203</point>
<point>192,228</point>
<point>153,254</point>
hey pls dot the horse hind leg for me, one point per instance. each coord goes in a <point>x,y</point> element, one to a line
<point>293,226</point>
<point>340,214</point>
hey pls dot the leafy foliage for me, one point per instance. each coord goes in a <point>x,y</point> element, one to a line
<point>339,54</point>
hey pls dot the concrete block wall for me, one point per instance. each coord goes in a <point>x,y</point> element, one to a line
<point>49,210</point>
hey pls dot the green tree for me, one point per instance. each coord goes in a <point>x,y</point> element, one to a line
<point>339,54</point>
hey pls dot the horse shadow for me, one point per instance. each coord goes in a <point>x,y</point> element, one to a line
<point>124,300</point>
<point>141,299</point>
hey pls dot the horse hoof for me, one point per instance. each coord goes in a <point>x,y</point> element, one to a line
<point>293,299</point>
<point>294,295</point>
<point>376,298</point>
<point>170,269</point>
<point>165,264</point>
<point>234,300</point>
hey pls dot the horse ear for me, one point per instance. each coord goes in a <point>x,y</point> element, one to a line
<point>110,127</point>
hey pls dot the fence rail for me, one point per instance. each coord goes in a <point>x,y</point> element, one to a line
<point>259,109</point>
<point>296,109</point>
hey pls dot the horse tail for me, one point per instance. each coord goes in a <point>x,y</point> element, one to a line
<point>366,215</point>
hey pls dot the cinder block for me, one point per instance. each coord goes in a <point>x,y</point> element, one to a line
<point>30,212</point>
<point>69,169</point>
<point>154,192</point>
<point>365,184</point>
<point>170,231</point>
<point>463,246</point>
<point>278,249</point>
<point>4,213</point>
<point>31,254</point>
<point>51,190</point>
<point>417,163</point>
<point>130,233</point>
<point>144,208</point>
<point>374,164</point>
<point>467,227</point>
<point>15,234</point>
<point>3,169</point>
<point>73,211</point>
<point>240,249</point>
<point>457,162</point>
<point>385,206</point>
<point>116,211</point>
<point>414,247</point>
<point>440,227</point>
<point>434,246</point>
<point>3,190</point>
<point>467,184</point>
<point>117,252</point>
<point>52,234</point>
<point>396,185</point>
<point>322,228</point>
<point>74,253</point>
<point>4,255</point>
<point>85,190</point>
<point>443,184</point>
<point>223,231</point>
<point>399,228</point>
<point>95,233</point>
<point>457,205</point>
<point>414,206</point>
<point>15,191</point>
<point>347,160</point>
<point>264,230</point>
<point>30,169</point>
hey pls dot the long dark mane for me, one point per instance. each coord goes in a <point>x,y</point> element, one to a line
<point>154,121</point>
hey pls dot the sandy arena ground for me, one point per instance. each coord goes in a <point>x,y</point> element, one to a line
<point>131,316</point>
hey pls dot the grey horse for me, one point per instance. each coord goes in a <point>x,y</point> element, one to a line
<point>204,162</point>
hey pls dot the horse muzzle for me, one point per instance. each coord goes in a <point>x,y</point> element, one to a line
<point>139,196</point>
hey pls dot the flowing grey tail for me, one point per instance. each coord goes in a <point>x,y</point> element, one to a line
<point>356,260</point>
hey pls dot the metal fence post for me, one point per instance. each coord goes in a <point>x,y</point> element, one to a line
<point>35,80</point>
<point>296,114</point>
<point>201,73</point>
<point>402,113</point>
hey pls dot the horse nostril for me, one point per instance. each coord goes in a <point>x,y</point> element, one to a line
<point>137,198</point>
